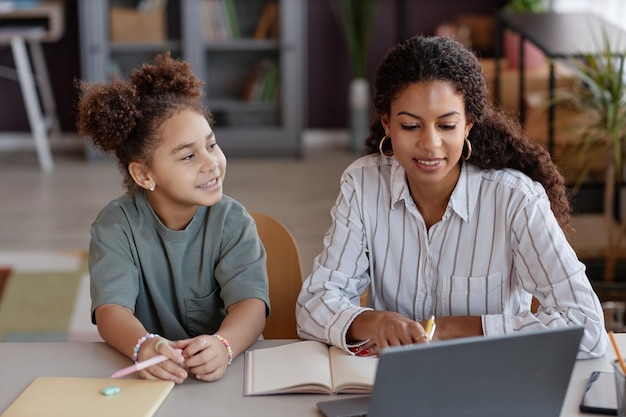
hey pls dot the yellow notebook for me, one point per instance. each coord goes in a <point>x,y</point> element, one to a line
<point>80,397</point>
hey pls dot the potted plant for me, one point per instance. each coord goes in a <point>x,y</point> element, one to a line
<point>356,18</point>
<point>601,103</point>
<point>533,57</point>
<point>525,6</point>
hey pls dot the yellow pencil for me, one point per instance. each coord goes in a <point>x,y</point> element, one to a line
<point>617,352</point>
<point>430,328</point>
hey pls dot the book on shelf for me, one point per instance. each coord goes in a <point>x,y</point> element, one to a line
<point>210,27</point>
<point>267,27</point>
<point>263,83</point>
<point>269,83</point>
<point>231,16</point>
<point>307,367</point>
<point>220,21</point>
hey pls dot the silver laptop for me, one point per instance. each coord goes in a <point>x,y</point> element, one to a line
<point>525,374</point>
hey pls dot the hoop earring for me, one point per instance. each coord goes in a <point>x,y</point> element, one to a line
<point>388,152</point>
<point>469,150</point>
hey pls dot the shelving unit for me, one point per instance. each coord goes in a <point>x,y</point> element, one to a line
<point>244,127</point>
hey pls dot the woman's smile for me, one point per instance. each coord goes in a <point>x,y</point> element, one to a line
<point>429,162</point>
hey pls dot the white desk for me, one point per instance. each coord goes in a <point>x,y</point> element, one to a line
<point>20,363</point>
<point>21,26</point>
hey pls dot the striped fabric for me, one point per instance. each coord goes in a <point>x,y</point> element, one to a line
<point>497,245</point>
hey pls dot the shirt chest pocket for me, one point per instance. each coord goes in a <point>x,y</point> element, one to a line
<point>473,296</point>
<point>204,315</point>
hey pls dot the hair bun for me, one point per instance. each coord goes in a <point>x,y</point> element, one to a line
<point>108,113</point>
<point>166,76</point>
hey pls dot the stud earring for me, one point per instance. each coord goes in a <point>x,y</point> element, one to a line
<point>152,187</point>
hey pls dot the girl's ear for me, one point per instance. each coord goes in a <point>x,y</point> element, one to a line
<point>141,176</point>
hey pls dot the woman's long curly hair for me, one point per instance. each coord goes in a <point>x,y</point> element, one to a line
<point>123,117</point>
<point>497,140</point>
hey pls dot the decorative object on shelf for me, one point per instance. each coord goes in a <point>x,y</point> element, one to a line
<point>533,57</point>
<point>601,99</point>
<point>144,23</point>
<point>356,18</point>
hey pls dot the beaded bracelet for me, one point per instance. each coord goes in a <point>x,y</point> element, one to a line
<point>139,343</point>
<point>227,346</point>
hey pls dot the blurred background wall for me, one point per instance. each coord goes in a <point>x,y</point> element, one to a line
<point>328,68</point>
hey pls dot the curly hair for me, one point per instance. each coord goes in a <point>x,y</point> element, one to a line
<point>123,117</point>
<point>497,140</point>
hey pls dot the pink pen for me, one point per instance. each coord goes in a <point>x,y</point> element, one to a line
<point>139,366</point>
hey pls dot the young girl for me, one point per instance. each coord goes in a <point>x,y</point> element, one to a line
<point>176,267</point>
<point>454,213</point>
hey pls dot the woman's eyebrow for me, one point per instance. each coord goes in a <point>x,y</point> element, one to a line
<point>450,113</point>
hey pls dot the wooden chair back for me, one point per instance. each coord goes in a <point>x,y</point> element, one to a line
<point>285,276</point>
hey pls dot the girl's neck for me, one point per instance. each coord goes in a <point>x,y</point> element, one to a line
<point>174,217</point>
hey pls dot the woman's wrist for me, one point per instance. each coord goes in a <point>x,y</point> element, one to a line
<point>364,326</point>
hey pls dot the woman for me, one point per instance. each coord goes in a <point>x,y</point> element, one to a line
<point>454,213</point>
<point>176,267</point>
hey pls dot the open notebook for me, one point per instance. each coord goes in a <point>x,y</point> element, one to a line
<point>82,397</point>
<point>520,375</point>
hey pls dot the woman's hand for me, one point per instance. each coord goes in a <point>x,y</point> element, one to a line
<point>205,356</point>
<point>385,328</point>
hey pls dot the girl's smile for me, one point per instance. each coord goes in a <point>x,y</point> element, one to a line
<point>212,186</point>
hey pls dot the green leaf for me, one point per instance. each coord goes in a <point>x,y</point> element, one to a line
<point>603,95</point>
<point>356,18</point>
<point>525,6</point>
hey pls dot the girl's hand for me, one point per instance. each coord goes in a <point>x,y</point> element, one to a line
<point>205,356</point>
<point>170,370</point>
